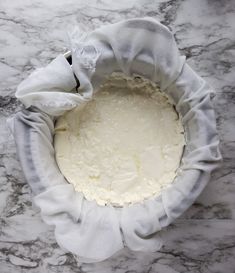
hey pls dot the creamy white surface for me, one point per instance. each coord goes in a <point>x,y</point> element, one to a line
<point>123,146</point>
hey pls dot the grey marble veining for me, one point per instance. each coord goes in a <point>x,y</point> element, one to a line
<point>32,33</point>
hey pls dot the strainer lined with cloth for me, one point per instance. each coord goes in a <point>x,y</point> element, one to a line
<point>137,46</point>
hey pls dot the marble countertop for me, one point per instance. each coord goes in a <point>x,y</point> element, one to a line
<point>32,33</point>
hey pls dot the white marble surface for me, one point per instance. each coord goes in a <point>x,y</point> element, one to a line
<point>31,34</point>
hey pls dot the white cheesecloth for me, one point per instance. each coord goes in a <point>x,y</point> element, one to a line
<point>137,46</point>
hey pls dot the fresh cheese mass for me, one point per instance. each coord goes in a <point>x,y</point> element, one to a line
<point>124,145</point>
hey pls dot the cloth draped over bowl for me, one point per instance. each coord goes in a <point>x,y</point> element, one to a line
<point>135,47</point>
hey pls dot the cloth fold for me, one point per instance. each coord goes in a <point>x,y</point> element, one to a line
<point>137,46</point>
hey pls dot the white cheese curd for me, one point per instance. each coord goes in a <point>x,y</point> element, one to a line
<point>123,146</point>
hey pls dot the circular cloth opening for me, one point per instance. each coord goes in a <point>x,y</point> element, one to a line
<point>122,147</point>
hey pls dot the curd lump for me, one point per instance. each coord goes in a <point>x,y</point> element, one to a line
<point>123,146</point>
